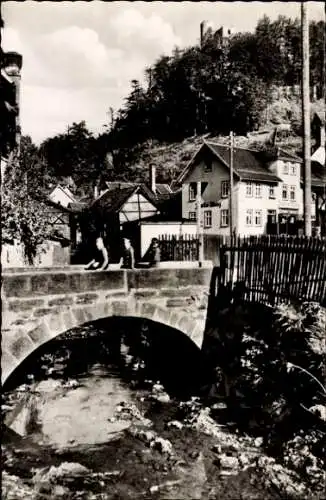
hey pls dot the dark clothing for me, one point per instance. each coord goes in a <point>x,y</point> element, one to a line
<point>126,258</point>
<point>98,257</point>
<point>155,256</point>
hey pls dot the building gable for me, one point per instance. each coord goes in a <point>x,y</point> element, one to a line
<point>136,207</point>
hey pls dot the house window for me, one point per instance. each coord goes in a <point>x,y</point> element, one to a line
<point>192,191</point>
<point>271,216</point>
<point>193,216</point>
<point>285,168</point>
<point>258,217</point>
<point>293,169</point>
<point>292,193</point>
<point>258,190</point>
<point>249,217</point>
<point>248,189</point>
<point>225,189</point>
<point>224,218</point>
<point>208,218</point>
<point>208,165</point>
<point>284,192</point>
<point>272,192</point>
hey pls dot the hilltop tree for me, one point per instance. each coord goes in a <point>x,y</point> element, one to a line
<point>76,153</point>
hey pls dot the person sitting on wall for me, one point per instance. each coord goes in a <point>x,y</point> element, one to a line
<point>154,253</point>
<point>127,260</point>
<point>100,262</point>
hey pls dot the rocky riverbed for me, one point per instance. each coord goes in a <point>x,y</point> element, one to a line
<point>86,420</point>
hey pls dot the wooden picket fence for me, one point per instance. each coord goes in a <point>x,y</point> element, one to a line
<point>179,248</point>
<point>274,269</point>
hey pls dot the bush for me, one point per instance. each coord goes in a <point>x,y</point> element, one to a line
<point>273,362</point>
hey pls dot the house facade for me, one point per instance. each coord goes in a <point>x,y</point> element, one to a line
<point>267,192</point>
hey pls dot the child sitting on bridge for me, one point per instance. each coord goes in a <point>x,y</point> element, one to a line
<point>100,262</point>
<point>127,260</point>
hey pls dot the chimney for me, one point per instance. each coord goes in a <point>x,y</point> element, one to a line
<point>152,178</point>
<point>202,33</point>
<point>322,134</point>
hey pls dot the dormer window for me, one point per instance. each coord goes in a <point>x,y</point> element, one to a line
<point>208,165</point>
<point>192,191</point>
<point>285,168</point>
<point>225,189</point>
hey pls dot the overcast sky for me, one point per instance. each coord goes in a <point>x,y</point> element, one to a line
<point>79,57</point>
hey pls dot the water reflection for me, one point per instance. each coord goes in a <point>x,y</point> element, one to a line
<point>69,390</point>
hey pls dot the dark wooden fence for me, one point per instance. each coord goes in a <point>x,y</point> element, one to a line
<point>180,248</point>
<point>273,269</point>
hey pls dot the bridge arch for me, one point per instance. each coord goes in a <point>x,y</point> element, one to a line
<point>28,337</point>
<point>37,306</point>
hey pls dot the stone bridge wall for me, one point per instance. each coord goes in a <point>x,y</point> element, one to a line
<point>39,306</point>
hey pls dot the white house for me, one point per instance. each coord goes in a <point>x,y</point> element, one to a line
<point>266,190</point>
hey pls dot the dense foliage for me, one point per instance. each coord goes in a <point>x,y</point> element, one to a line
<point>272,363</point>
<point>22,219</point>
<point>210,89</point>
<point>215,88</point>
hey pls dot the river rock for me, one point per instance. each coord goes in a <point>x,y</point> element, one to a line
<point>175,424</point>
<point>258,442</point>
<point>64,470</point>
<point>319,410</point>
<point>162,445</point>
<point>227,462</point>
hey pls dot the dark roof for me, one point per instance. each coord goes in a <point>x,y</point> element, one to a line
<point>247,164</point>
<point>282,154</point>
<point>320,115</point>
<point>113,199</point>
<point>318,176</point>
<point>161,189</point>
<point>46,201</point>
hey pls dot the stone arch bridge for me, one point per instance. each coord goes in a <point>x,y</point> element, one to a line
<point>39,305</point>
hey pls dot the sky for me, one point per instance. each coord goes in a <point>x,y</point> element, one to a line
<point>79,57</point>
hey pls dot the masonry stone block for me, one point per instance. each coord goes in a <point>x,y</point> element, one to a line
<point>61,301</point>
<point>40,284</point>
<point>174,319</point>
<point>24,305</point>
<point>197,335</point>
<point>89,312</point>
<point>177,302</point>
<point>40,334</point>
<point>69,320</point>
<point>145,294</point>
<point>119,307</point>
<point>147,310</point>
<point>8,364</point>
<point>80,315</point>
<point>106,280</point>
<point>100,310</point>
<point>185,324</point>
<point>151,278</point>
<point>16,286</point>
<point>18,344</point>
<point>59,283</point>
<point>55,323</point>
<point>86,298</point>
<point>174,292</point>
<point>39,313</point>
<point>162,315</point>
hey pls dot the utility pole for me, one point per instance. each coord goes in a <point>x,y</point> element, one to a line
<point>305,99</point>
<point>231,186</point>
<point>199,225</point>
